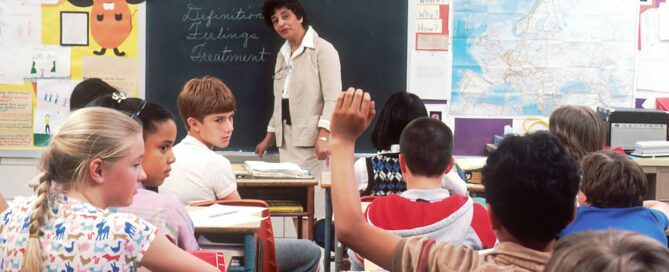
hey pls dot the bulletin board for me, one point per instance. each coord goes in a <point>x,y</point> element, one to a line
<point>49,46</point>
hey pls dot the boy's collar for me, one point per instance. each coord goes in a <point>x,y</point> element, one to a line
<point>190,139</point>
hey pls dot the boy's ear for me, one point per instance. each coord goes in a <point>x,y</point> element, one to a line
<point>95,171</point>
<point>403,164</point>
<point>450,165</point>
<point>496,224</point>
<point>193,124</point>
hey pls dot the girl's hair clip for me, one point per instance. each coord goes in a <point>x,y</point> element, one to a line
<point>119,97</point>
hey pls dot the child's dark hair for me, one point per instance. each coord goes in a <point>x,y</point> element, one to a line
<point>531,184</point>
<point>271,6</point>
<point>400,109</point>
<point>427,146</point>
<point>149,114</point>
<point>612,180</point>
<point>88,90</point>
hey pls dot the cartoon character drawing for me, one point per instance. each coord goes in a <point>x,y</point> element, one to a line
<point>47,128</point>
<point>111,22</point>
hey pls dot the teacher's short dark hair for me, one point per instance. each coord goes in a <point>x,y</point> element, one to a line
<point>293,5</point>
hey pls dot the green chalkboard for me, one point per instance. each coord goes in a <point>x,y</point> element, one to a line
<point>228,39</point>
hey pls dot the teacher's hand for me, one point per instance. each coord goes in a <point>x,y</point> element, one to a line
<point>265,143</point>
<point>322,150</point>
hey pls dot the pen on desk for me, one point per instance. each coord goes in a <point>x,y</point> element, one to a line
<point>222,214</point>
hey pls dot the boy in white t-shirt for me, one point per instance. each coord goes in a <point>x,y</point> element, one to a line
<point>207,108</point>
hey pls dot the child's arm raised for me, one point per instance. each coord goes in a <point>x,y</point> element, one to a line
<point>353,113</point>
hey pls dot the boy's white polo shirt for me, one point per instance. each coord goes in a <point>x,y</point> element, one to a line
<point>199,173</point>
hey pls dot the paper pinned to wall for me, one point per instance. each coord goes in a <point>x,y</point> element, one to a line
<point>16,117</point>
<point>431,75</point>
<point>118,72</point>
<point>20,23</point>
<point>74,28</point>
<point>663,11</point>
<point>427,12</point>
<point>429,25</point>
<point>653,57</point>
<point>53,107</point>
<point>48,62</point>
<point>13,64</point>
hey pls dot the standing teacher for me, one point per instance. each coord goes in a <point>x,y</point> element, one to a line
<point>307,81</point>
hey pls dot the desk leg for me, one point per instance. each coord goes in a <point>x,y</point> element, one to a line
<point>250,252</point>
<point>311,212</point>
<point>328,222</point>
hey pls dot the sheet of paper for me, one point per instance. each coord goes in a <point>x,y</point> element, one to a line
<point>48,62</point>
<point>433,2</point>
<point>13,64</point>
<point>20,23</point>
<point>663,21</point>
<point>431,75</point>
<point>428,25</point>
<point>53,107</point>
<point>653,57</point>
<point>435,42</point>
<point>15,118</point>
<point>224,215</point>
<point>118,72</point>
<point>427,12</point>
<point>74,28</point>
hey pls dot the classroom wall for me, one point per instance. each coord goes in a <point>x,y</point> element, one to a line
<point>19,166</point>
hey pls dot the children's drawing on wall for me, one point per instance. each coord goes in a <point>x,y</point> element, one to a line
<point>53,106</point>
<point>111,22</point>
<point>20,22</point>
<point>49,62</point>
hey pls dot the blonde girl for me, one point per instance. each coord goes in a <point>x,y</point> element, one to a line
<point>92,163</point>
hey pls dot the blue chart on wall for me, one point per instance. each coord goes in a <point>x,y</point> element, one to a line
<point>528,57</point>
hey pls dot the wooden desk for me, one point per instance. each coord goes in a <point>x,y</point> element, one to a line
<point>248,230</point>
<point>300,190</point>
<point>657,171</point>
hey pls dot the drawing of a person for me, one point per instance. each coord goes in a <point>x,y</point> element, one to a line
<point>47,128</point>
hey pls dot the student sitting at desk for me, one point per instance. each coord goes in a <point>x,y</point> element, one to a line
<point>207,107</point>
<point>95,161</point>
<point>425,209</point>
<point>612,192</point>
<point>579,129</point>
<point>380,174</point>
<point>159,132</point>
<point>531,183</point>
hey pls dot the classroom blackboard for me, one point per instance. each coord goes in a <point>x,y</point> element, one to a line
<point>229,39</point>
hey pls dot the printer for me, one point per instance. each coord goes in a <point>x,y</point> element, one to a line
<point>626,126</point>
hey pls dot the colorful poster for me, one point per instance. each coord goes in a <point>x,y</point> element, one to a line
<point>53,107</point>
<point>16,116</point>
<point>51,25</point>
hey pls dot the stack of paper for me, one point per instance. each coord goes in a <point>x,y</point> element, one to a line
<point>651,149</point>
<point>273,170</point>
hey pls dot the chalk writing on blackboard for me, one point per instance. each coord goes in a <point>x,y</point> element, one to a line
<point>207,25</point>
